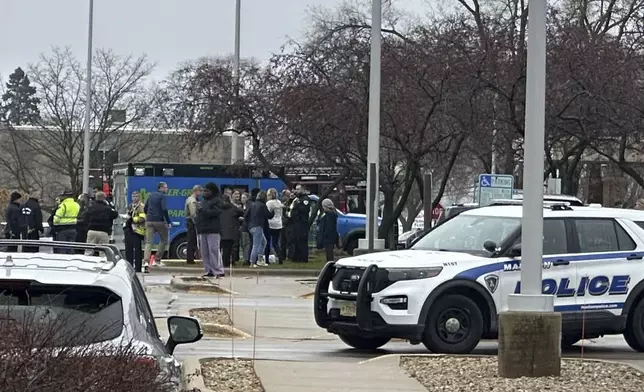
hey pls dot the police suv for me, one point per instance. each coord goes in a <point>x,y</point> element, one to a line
<point>447,290</point>
<point>93,302</point>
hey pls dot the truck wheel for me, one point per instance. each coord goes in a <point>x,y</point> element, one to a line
<point>362,343</point>
<point>454,326</point>
<point>634,333</point>
<point>352,244</point>
<point>179,248</point>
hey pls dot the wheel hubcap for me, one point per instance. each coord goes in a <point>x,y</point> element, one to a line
<point>453,325</point>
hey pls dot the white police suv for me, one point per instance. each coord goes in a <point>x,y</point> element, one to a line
<point>447,290</point>
<point>93,302</point>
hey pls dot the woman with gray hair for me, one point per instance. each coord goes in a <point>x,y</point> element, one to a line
<point>327,236</point>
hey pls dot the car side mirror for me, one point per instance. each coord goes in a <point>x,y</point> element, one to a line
<point>515,251</point>
<point>490,246</point>
<point>183,330</point>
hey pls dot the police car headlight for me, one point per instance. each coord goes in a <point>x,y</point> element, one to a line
<point>398,274</point>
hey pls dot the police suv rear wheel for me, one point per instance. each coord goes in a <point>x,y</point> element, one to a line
<point>362,343</point>
<point>454,325</point>
<point>634,333</point>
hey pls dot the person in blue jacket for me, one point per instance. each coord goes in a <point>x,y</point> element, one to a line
<point>327,236</point>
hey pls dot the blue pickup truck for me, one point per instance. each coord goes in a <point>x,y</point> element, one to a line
<point>351,227</point>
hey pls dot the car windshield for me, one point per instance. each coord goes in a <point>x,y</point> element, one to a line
<point>468,233</point>
<point>59,315</point>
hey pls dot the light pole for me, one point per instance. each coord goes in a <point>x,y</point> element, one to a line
<point>88,101</point>
<point>531,314</point>
<point>373,142</point>
<point>234,144</point>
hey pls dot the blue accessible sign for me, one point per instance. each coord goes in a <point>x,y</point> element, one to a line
<point>494,186</point>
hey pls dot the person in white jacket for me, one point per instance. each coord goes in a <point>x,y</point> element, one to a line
<point>272,232</point>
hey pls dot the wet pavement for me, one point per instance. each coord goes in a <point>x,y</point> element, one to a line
<point>283,327</point>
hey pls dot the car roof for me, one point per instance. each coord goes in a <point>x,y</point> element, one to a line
<point>65,269</point>
<point>516,211</point>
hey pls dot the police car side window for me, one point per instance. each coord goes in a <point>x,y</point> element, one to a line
<point>602,235</point>
<point>555,240</point>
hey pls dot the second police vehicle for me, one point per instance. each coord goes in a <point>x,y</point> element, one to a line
<point>447,290</point>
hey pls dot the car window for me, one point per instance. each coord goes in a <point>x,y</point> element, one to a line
<point>555,240</point>
<point>602,235</point>
<point>79,315</point>
<point>143,307</point>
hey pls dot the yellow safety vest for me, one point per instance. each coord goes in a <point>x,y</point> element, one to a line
<point>138,219</point>
<point>67,213</point>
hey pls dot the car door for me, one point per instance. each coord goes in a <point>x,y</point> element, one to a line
<point>559,275</point>
<point>608,256</point>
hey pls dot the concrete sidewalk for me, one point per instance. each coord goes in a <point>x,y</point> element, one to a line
<point>381,375</point>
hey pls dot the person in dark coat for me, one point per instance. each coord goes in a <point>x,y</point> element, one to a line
<point>15,228</point>
<point>230,224</point>
<point>299,214</point>
<point>32,215</point>
<point>208,224</point>
<point>327,236</point>
<point>82,222</point>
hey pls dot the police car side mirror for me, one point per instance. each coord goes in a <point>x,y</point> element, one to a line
<point>515,250</point>
<point>490,246</point>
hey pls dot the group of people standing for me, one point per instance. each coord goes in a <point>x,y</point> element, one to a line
<point>84,219</point>
<point>234,225</point>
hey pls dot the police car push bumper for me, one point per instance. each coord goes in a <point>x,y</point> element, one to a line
<point>366,323</point>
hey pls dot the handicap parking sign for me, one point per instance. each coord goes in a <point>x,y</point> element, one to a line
<point>494,186</point>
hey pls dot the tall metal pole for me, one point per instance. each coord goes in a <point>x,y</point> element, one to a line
<point>88,101</point>
<point>373,141</point>
<point>532,222</point>
<point>234,145</point>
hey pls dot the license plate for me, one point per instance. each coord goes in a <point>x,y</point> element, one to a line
<point>348,309</point>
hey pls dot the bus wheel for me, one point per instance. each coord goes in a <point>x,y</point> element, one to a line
<point>179,248</point>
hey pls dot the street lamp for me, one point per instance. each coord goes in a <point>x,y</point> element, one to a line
<point>234,145</point>
<point>373,141</point>
<point>531,314</point>
<point>88,101</point>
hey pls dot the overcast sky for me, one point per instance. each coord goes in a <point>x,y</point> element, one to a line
<point>168,31</point>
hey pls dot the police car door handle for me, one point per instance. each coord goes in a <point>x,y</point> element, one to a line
<point>634,257</point>
<point>560,262</point>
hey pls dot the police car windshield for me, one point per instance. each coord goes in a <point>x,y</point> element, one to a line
<point>468,233</point>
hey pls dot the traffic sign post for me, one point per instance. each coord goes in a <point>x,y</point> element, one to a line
<point>494,186</point>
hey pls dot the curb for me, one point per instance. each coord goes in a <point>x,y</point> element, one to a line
<point>307,295</point>
<point>390,357</point>
<point>228,330</point>
<point>179,284</point>
<point>247,271</point>
<point>191,376</point>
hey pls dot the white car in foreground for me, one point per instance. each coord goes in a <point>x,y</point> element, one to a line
<point>93,302</point>
<point>447,290</point>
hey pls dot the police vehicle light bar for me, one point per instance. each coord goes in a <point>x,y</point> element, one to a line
<point>112,254</point>
<point>555,205</point>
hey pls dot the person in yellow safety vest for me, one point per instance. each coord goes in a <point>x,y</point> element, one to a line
<point>134,231</point>
<point>65,219</point>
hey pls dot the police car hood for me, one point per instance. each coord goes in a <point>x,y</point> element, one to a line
<point>411,259</point>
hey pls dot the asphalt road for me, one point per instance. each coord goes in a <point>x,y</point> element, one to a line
<point>286,330</point>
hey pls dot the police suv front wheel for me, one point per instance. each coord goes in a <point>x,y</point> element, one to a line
<point>634,333</point>
<point>362,343</point>
<point>454,325</point>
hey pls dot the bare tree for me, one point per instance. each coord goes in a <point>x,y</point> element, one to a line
<point>124,118</point>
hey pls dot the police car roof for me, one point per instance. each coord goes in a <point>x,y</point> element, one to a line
<point>516,211</point>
